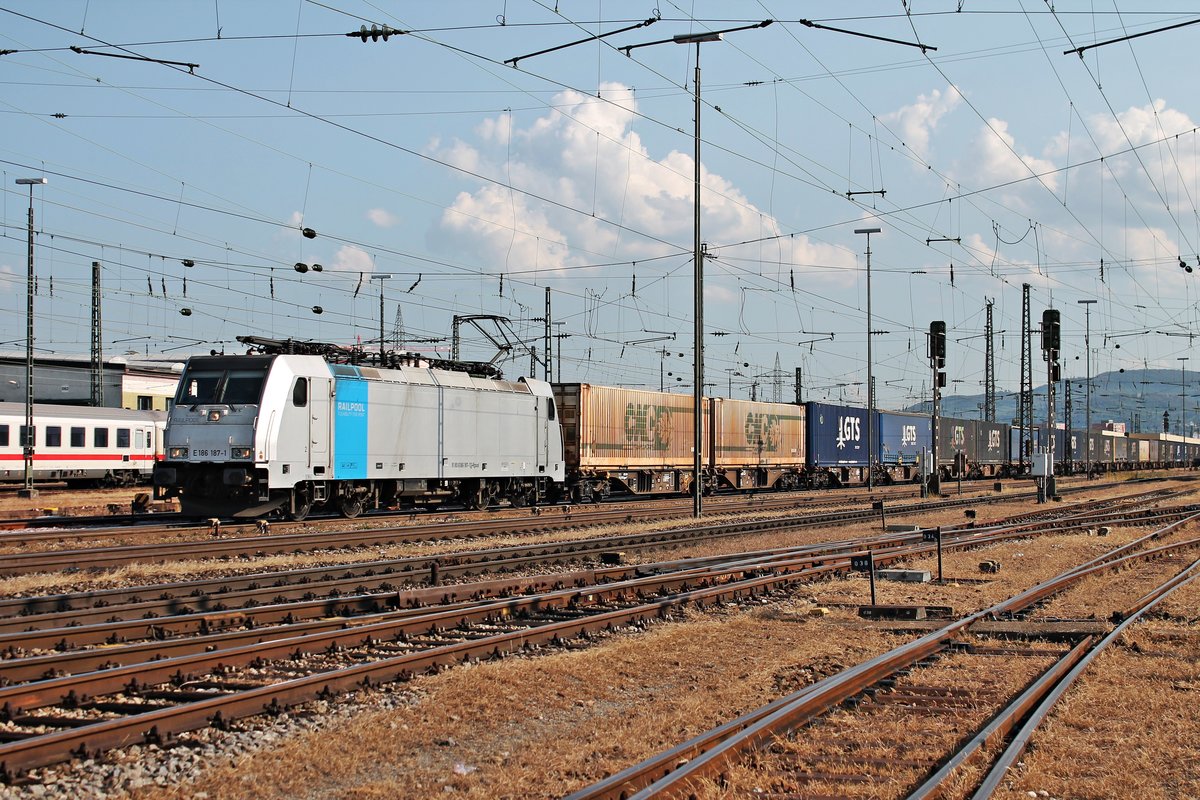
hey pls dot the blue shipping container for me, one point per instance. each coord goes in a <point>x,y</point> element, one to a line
<point>837,435</point>
<point>902,437</point>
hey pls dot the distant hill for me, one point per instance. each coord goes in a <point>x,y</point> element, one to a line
<point>1136,397</point>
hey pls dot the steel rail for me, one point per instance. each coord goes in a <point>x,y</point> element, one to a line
<point>206,613</point>
<point>154,725</point>
<point>162,552</point>
<point>111,625</point>
<point>1020,740</point>
<point>709,753</point>
<point>409,569</point>
<point>38,529</point>
<point>25,754</point>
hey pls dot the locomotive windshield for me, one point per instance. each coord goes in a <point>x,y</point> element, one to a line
<point>214,383</point>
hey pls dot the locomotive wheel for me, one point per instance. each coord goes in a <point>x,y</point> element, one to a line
<point>477,496</point>
<point>351,507</point>
<point>302,502</point>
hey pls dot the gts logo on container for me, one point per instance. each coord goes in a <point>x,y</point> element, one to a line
<point>848,430</point>
<point>908,435</point>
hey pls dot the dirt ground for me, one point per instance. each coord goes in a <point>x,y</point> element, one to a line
<point>550,723</point>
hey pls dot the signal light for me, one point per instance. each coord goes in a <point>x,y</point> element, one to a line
<point>937,341</point>
<point>1051,329</point>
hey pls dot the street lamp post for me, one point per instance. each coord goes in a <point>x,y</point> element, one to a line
<point>29,438</point>
<point>1087,344</point>
<point>381,278</point>
<point>697,257</point>
<point>1182,396</point>
<point>870,382</point>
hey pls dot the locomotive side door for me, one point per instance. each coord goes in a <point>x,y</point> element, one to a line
<point>319,432</point>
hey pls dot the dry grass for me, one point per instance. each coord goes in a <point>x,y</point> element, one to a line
<point>1129,727</point>
<point>546,725</point>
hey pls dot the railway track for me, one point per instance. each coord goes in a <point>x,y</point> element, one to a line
<point>79,700</point>
<point>21,561</point>
<point>55,530</point>
<point>968,691</point>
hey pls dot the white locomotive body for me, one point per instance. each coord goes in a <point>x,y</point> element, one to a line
<point>253,434</point>
<point>81,445</point>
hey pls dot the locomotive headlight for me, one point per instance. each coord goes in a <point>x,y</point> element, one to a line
<point>177,452</point>
<point>242,452</point>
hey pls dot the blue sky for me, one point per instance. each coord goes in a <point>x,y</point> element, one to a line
<point>475,185</point>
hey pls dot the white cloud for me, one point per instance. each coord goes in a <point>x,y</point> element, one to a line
<point>916,122</point>
<point>586,155</point>
<point>352,259</point>
<point>383,218</point>
<point>1000,160</point>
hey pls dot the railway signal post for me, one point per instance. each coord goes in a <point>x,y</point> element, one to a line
<point>1051,340</point>
<point>937,360</point>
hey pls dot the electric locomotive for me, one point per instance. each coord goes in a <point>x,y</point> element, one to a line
<point>294,426</point>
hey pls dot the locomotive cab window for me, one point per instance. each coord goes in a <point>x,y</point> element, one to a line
<point>122,437</point>
<point>300,393</point>
<point>53,436</point>
<point>100,437</point>
<point>78,437</point>
<point>226,386</point>
<point>550,410</point>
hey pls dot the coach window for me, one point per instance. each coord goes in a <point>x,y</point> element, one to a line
<point>300,393</point>
<point>3,436</point>
<point>26,438</point>
<point>100,437</point>
<point>78,437</point>
<point>53,436</point>
<point>122,437</point>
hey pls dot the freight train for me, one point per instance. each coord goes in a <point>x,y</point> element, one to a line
<point>82,445</point>
<point>294,427</point>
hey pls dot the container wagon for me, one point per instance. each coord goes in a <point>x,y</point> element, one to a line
<point>904,439</point>
<point>991,450</point>
<point>756,445</point>
<point>956,447</point>
<point>626,440</point>
<point>836,444</point>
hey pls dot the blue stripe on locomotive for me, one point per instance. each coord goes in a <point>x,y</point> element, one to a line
<point>350,427</point>
<point>903,436</point>
<point>837,435</point>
